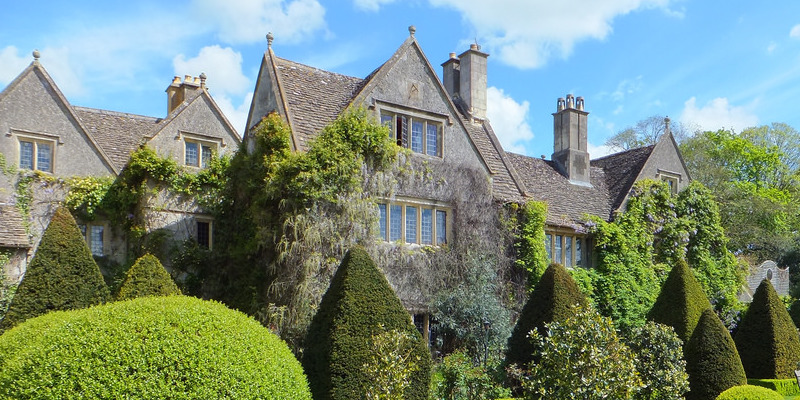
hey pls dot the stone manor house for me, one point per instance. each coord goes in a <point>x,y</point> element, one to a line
<point>441,121</point>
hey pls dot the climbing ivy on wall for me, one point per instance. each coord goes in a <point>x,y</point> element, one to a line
<point>530,241</point>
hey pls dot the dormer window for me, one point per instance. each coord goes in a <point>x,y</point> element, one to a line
<point>671,178</point>
<point>420,135</point>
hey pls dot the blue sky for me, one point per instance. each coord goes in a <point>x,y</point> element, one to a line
<point>708,64</point>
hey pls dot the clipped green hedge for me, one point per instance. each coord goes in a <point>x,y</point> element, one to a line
<point>148,348</point>
<point>338,343</point>
<point>61,276</point>
<point>680,302</point>
<point>712,362</point>
<point>147,277</point>
<point>551,300</point>
<point>767,339</point>
<point>747,392</point>
<point>786,387</point>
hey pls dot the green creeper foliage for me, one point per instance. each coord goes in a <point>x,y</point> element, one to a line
<point>551,300</point>
<point>680,303</point>
<point>339,341</point>
<point>581,358</point>
<point>147,277</point>
<point>767,339</point>
<point>458,378</point>
<point>62,275</point>
<point>391,364</point>
<point>712,361</point>
<point>531,251</point>
<point>659,362</point>
<point>749,392</point>
<point>148,348</point>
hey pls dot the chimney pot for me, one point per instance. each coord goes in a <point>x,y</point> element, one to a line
<point>579,103</point>
<point>176,80</point>
<point>474,46</point>
<point>187,78</point>
<point>453,56</point>
<point>561,104</point>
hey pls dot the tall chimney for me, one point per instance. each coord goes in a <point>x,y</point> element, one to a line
<point>451,76</point>
<point>178,91</point>
<point>570,147</point>
<point>472,81</point>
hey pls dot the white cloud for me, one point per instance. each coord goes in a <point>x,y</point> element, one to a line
<point>509,120</point>
<point>246,21</point>
<point>59,64</point>
<point>527,33</point>
<point>717,114</point>
<point>371,5</point>
<point>795,32</point>
<point>11,64</point>
<point>236,115</point>
<point>771,47</point>
<point>223,66</point>
<point>598,151</point>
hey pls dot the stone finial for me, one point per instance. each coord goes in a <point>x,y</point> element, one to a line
<point>36,56</point>
<point>412,30</point>
<point>203,79</point>
<point>270,38</point>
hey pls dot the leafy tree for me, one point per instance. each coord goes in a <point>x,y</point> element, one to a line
<point>659,362</point>
<point>646,132</point>
<point>767,339</point>
<point>712,361</point>
<point>680,303</point>
<point>358,301</point>
<point>458,378</point>
<point>551,300</point>
<point>61,276</point>
<point>581,357</point>
<point>147,277</point>
<point>172,347</point>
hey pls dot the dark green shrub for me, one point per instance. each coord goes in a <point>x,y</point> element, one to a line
<point>680,302</point>
<point>357,304</point>
<point>711,359</point>
<point>173,347</point>
<point>660,362</point>
<point>794,312</point>
<point>61,276</point>
<point>551,300</point>
<point>767,339</point>
<point>147,277</point>
<point>747,392</point>
<point>786,387</point>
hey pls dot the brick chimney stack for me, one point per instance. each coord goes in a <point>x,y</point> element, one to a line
<point>570,147</point>
<point>179,91</point>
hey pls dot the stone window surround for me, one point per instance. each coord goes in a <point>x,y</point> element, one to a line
<point>441,120</point>
<point>36,138</point>
<point>204,220</point>
<point>419,204</point>
<point>672,178</point>
<point>212,142</point>
<point>585,252</point>
<point>87,229</point>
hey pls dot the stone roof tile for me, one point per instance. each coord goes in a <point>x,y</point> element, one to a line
<point>119,134</point>
<point>12,229</point>
<point>621,170</point>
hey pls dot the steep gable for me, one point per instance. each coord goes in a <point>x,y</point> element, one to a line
<point>621,171</point>
<point>119,134</point>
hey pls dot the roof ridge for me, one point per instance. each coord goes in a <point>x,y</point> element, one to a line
<point>115,113</point>
<point>318,69</point>
<point>619,153</point>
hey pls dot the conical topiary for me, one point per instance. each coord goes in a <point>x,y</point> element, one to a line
<point>551,300</point>
<point>680,302</point>
<point>767,339</point>
<point>357,304</point>
<point>61,276</point>
<point>712,361</point>
<point>794,312</point>
<point>147,277</point>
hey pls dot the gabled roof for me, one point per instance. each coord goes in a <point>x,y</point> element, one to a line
<point>118,134</point>
<point>199,95</point>
<point>621,170</point>
<point>12,231</point>
<point>310,99</point>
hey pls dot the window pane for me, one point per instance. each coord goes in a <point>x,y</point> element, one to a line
<point>386,120</point>
<point>559,254</point>
<point>206,156</point>
<point>441,227</point>
<point>416,136</point>
<point>395,222</point>
<point>432,140</point>
<point>411,224</point>
<point>578,251</point>
<point>402,129</point>
<point>427,226</point>
<point>382,220</point>
<point>26,155</point>
<point>204,234</point>
<point>191,153</point>
<point>96,240</point>
<point>44,153</point>
<point>548,246</point>
<point>568,251</point>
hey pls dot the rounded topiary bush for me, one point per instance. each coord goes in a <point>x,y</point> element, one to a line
<point>712,362</point>
<point>680,302</point>
<point>748,392</point>
<point>767,339</point>
<point>147,277</point>
<point>148,348</point>
<point>358,306</point>
<point>551,300</point>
